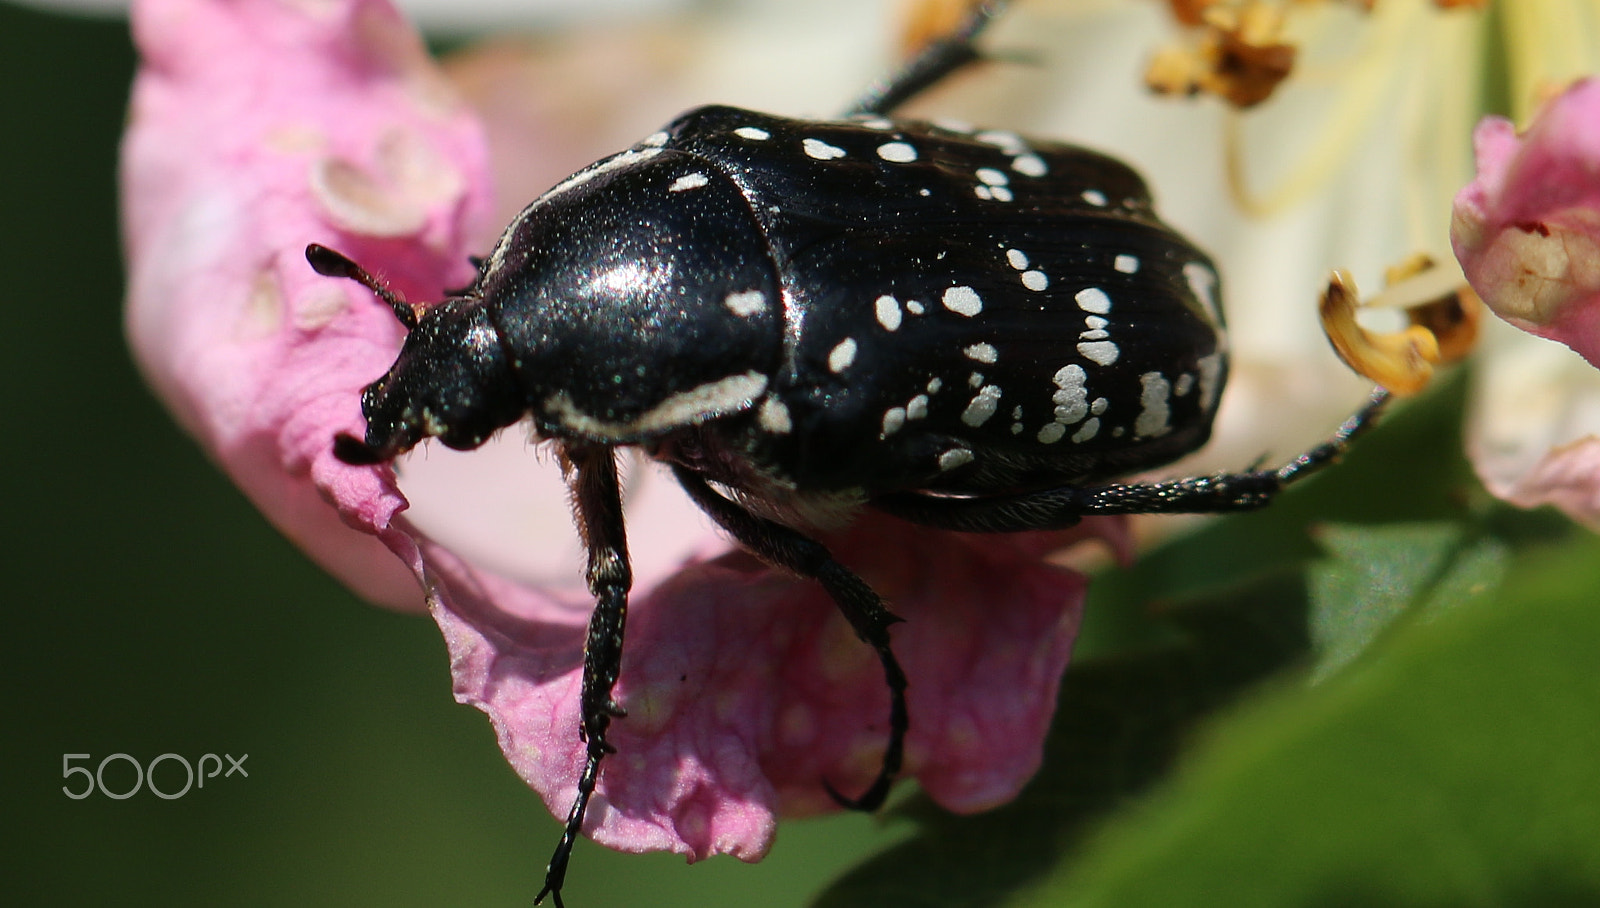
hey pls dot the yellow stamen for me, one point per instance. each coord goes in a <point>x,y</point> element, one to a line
<point>1443,313</point>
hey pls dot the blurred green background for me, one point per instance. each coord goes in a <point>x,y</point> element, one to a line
<point>151,610</point>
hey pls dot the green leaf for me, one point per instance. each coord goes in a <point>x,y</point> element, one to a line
<point>1121,722</point>
<point>1374,575</point>
<point>1461,766</point>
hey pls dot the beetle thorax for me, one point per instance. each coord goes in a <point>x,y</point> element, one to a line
<point>636,301</point>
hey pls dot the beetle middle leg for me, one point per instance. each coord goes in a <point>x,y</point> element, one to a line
<point>591,472</point>
<point>1058,508</point>
<point>787,548</point>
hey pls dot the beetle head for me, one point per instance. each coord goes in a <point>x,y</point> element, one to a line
<point>451,380</point>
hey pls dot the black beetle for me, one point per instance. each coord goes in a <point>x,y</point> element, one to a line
<point>965,329</point>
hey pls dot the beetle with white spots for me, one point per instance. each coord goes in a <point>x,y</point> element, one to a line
<point>791,314</point>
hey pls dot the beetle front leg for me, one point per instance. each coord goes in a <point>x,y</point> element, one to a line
<point>791,550</point>
<point>591,473</point>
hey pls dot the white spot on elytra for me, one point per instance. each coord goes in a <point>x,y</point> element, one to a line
<point>1203,284</point>
<point>1035,280</point>
<point>981,407</point>
<point>1127,264</point>
<point>963,301</point>
<point>975,380</point>
<point>1016,428</point>
<point>1016,412</point>
<point>897,152</point>
<point>842,355</point>
<point>1094,334</point>
<point>1101,352</point>
<point>872,122</point>
<point>914,307</point>
<point>1051,433</point>
<point>934,384</point>
<point>1029,165</point>
<point>1095,322</point>
<point>1017,258</point>
<point>1210,377</point>
<point>1184,384</point>
<point>888,310</point>
<point>1093,299</point>
<point>1087,431</point>
<point>1154,418</point>
<point>983,192</point>
<point>955,457</point>
<point>688,181</point>
<point>774,417</point>
<point>924,192</point>
<point>992,177</point>
<point>893,419</point>
<point>1071,397</point>
<point>917,408</point>
<point>746,303</point>
<point>1099,406</point>
<point>1094,197</point>
<point>753,133</point>
<point>1070,376</point>
<point>983,353</point>
<point>821,150</point>
<point>655,140</point>
<point>1009,141</point>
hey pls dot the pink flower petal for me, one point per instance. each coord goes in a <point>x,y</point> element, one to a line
<point>259,126</point>
<point>1527,230</point>
<point>1567,478</point>
<point>745,688</point>
<point>256,128</point>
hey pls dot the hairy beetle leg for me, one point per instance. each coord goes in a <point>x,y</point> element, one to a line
<point>786,548</point>
<point>591,472</point>
<point>1062,507</point>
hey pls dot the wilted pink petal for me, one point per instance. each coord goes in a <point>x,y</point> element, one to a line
<point>1534,423</point>
<point>745,688</point>
<point>1567,478</point>
<point>259,126</point>
<point>1527,230</point>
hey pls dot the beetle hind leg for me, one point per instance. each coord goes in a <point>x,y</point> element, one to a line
<point>597,505</point>
<point>1059,508</point>
<point>787,548</point>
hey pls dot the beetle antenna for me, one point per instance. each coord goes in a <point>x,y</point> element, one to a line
<point>336,264</point>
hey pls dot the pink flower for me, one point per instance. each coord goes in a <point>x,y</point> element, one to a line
<point>260,126</point>
<point>1527,230</point>
<point>1527,234</point>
